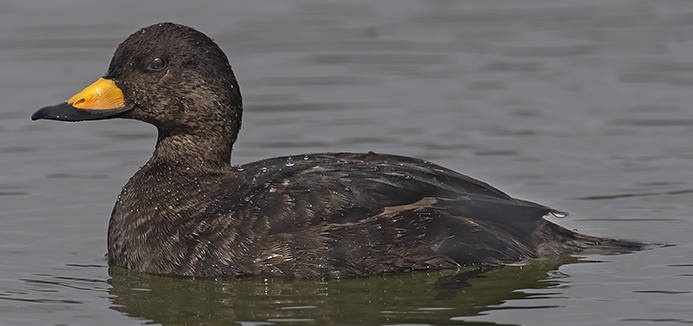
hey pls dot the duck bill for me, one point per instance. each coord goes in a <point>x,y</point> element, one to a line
<point>100,100</point>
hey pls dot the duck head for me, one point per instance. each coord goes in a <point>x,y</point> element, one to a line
<point>169,75</point>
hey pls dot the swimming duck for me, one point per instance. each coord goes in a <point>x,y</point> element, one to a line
<point>189,212</point>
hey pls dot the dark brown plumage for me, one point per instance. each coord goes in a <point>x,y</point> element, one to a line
<point>188,212</point>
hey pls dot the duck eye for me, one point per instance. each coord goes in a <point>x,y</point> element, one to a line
<point>157,64</point>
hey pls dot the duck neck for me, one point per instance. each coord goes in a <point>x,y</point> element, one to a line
<point>193,152</point>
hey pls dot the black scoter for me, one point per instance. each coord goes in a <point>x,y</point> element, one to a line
<point>189,212</point>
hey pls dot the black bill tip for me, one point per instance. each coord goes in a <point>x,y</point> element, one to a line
<point>67,112</point>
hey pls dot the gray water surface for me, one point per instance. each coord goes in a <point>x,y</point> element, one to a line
<point>584,106</point>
